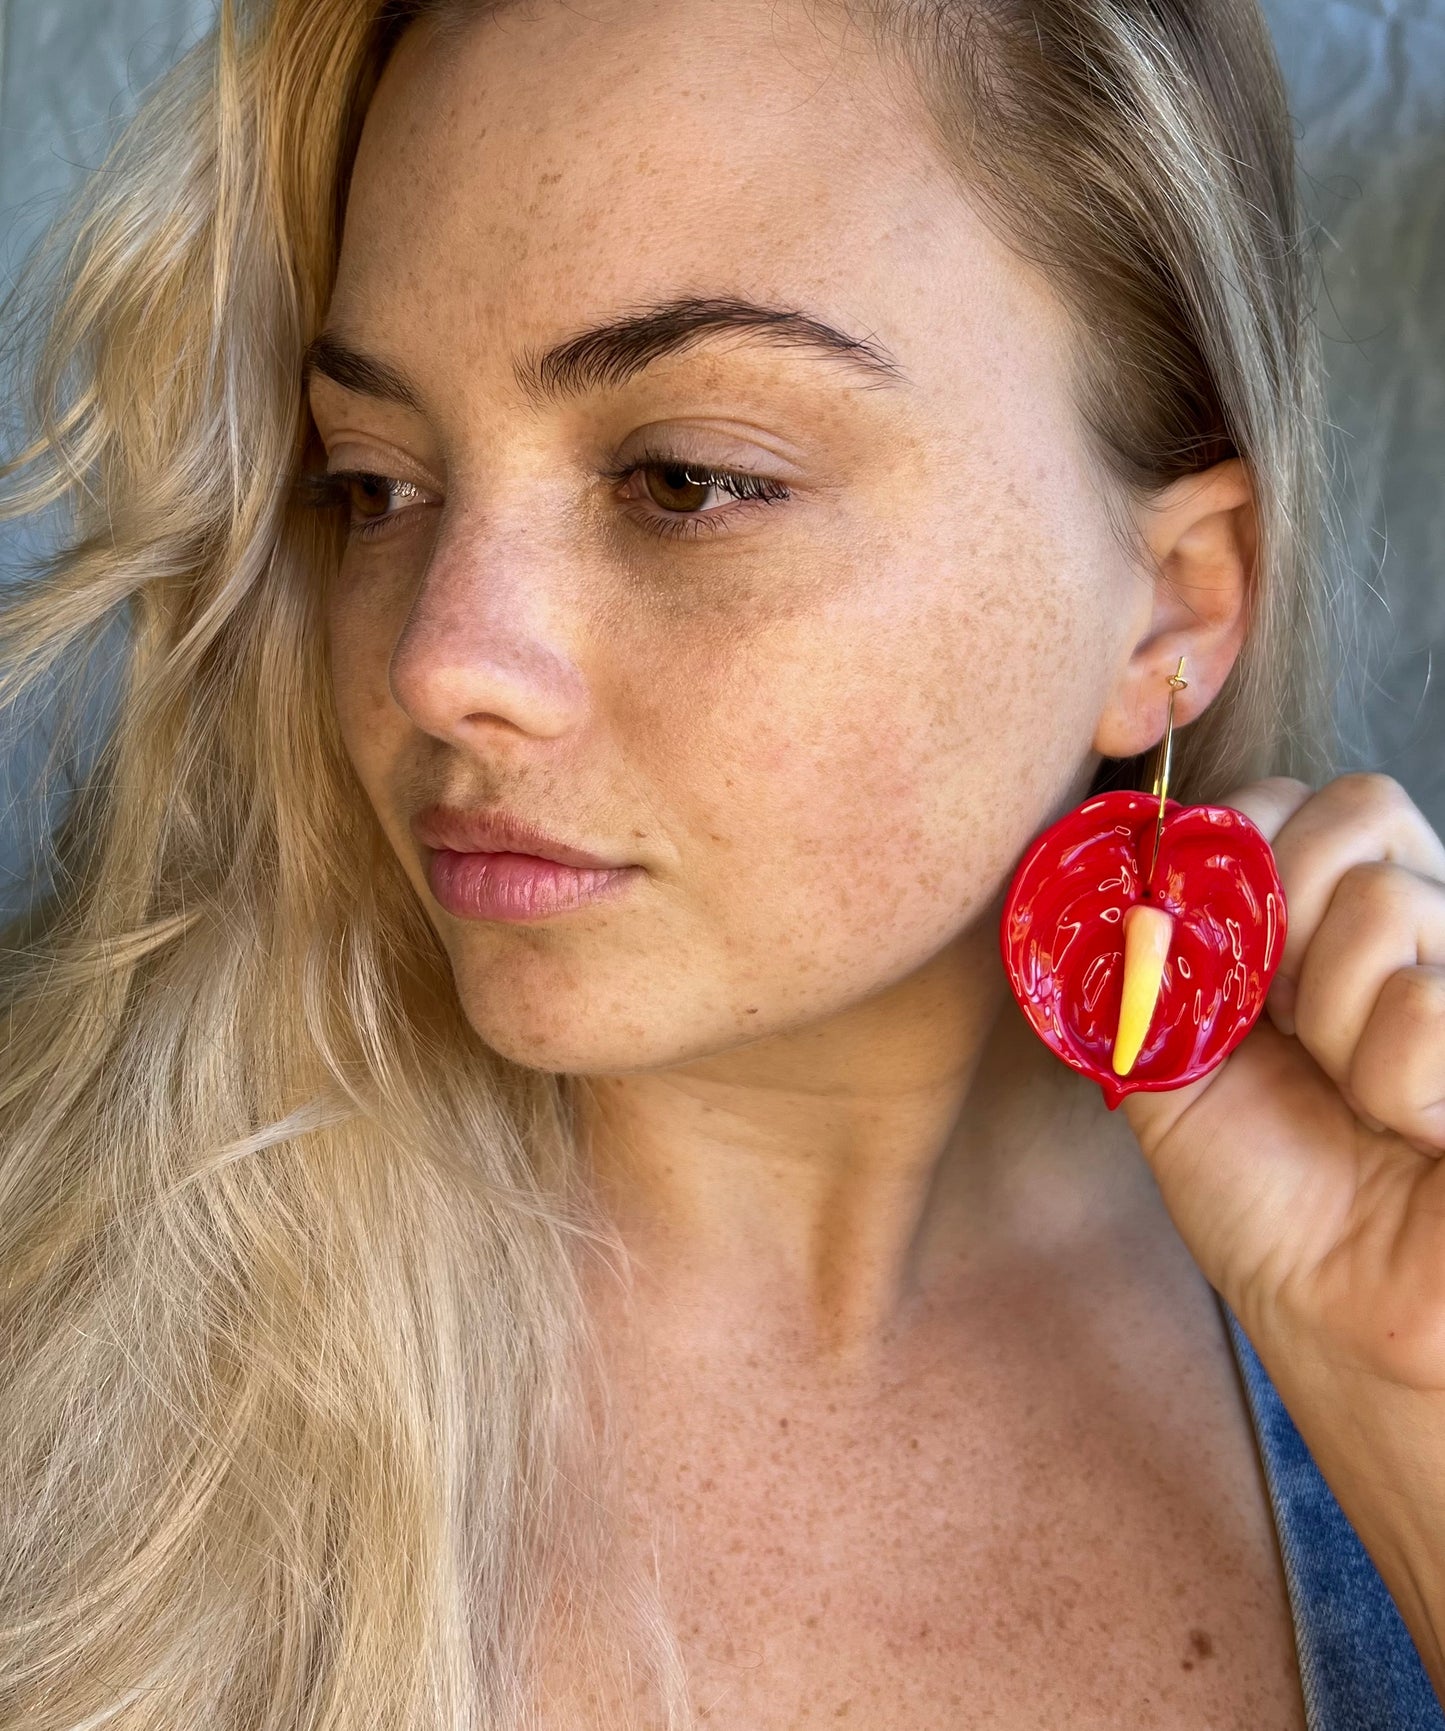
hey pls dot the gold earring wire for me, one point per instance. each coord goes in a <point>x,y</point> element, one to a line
<point>1161,772</point>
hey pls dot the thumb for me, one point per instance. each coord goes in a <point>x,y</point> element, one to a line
<point>1268,804</point>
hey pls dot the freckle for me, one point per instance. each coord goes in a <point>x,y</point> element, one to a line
<point>913,1442</point>
<point>810,1622</point>
<point>842,1712</point>
<point>1186,1664</point>
<point>752,1009</point>
<point>782,1424</point>
<point>1200,1642</point>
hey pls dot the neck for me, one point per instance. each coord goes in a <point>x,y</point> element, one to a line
<point>812,1196</point>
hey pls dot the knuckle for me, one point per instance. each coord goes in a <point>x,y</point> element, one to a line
<point>1370,792</point>
<point>1374,886</point>
<point>1290,785</point>
<point>1416,998</point>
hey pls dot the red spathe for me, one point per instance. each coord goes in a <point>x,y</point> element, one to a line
<point>1063,940</point>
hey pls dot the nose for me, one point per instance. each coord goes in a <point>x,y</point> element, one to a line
<point>491,636</point>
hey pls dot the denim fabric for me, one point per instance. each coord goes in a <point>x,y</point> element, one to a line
<point>1359,1668</point>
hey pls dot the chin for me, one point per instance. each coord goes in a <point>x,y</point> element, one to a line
<point>587,1038</point>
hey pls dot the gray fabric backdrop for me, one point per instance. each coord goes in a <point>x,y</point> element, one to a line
<point>1367,84</point>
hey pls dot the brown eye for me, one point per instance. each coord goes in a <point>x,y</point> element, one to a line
<point>368,495</point>
<point>680,491</point>
<point>677,487</point>
<point>364,495</point>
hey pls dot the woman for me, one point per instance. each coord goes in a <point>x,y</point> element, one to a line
<point>778,453</point>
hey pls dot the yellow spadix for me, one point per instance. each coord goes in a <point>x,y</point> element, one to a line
<point>1147,933</point>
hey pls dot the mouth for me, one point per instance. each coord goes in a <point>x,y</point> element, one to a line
<point>515,887</point>
<point>502,833</point>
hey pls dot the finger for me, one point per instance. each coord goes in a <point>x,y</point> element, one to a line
<point>1398,1073</point>
<point>1381,918</point>
<point>1270,802</point>
<point>1352,820</point>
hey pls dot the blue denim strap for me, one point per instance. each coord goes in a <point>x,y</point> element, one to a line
<point>1359,1668</point>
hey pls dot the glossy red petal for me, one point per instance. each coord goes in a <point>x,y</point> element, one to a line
<point>1062,935</point>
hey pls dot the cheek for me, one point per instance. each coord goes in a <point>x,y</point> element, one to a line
<point>359,641</point>
<point>862,777</point>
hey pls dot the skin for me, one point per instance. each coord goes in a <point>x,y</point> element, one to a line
<point>827,731</point>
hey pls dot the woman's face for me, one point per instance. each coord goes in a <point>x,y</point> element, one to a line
<point>824,726</point>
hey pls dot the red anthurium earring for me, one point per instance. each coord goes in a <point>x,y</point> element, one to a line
<point>1140,936</point>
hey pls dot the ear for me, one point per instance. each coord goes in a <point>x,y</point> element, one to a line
<point>1201,534</point>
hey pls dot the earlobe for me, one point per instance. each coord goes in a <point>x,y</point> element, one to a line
<point>1201,534</point>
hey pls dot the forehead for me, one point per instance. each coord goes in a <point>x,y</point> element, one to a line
<point>515,178</point>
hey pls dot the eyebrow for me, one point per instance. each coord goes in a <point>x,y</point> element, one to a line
<point>605,356</point>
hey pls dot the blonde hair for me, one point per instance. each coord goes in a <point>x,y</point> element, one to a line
<point>300,1423</point>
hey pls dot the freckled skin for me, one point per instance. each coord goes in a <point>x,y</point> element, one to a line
<point>827,732</point>
<point>826,722</point>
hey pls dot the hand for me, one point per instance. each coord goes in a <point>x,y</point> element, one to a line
<point>1305,1173</point>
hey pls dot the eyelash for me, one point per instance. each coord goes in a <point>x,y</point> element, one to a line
<point>322,489</point>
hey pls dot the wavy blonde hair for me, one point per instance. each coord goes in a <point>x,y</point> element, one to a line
<point>300,1422</point>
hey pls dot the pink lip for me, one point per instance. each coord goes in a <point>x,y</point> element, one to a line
<point>515,887</point>
<point>445,826</point>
